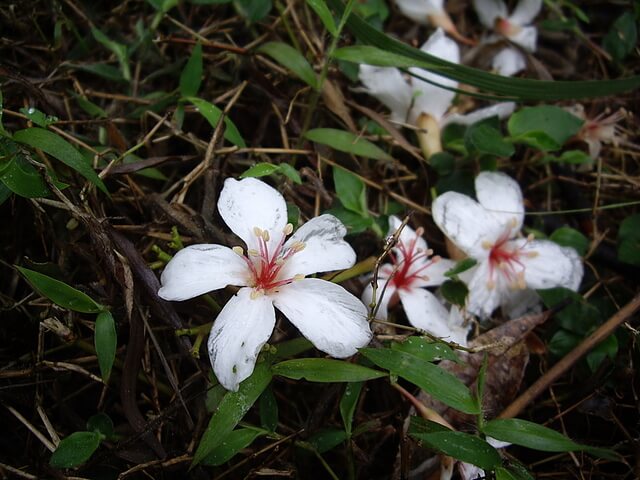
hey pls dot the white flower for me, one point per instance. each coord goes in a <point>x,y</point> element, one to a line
<point>271,274</point>
<point>488,231</point>
<point>421,103</point>
<point>412,270</point>
<point>493,14</point>
<point>598,130</point>
<point>430,12</point>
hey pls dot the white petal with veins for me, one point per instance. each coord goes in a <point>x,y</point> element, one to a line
<point>425,311</point>
<point>390,88</point>
<point>548,265</point>
<point>483,298</point>
<point>420,10</point>
<point>500,110</point>
<point>243,326</point>
<point>525,12</point>
<point>526,37</point>
<point>501,195</point>
<point>407,235</point>
<point>250,203</point>
<point>199,269</point>
<point>508,62</point>
<point>489,10</point>
<point>330,317</point>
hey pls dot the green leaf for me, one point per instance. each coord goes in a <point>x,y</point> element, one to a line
<point>437,382</point>
<point>325,370</point>
<point>622,38</point>
<point>461,266</point>
<point>328,439</point>
<point>348,404</point>
<point>106,341</point>
<point>291,348</point>
<point>517,88</point>
<point>290,172</point>
<point>455,291</point>
<point>232,408</point>
<point>607,348</point>
<point>348,142</point>
<point>231,445</point>
<point>370,55</point>
<point>261,169</point>
<point>354,222</point>
<point>59,148</point>
<point>426,349</point>
<point>531,435</point>
<point>573,157</point>
<point>22,178</point>
<point>629,240</point>
<point>76,449</point>
<point>292,60</point>
<point>101,423</point>
<point>89,107</point>
<point>570,237</point>
<point>513,471</point>
<point>213,114</point>
<point>119,49</point>
<point>321,9</point>
<point>191,76</point>
<point>563,341</point>
<point>504,474</point>
<point>105,71</point>
<point>485,139</point>
<point>253,10</point>
<point>268,410</point>
<point>578,316</point>
<point>459,445</point>
<point>37,117</point>
<point>545,127</point>
<point>5,193</point>
<point>351,191</point>
<point>60,293</point>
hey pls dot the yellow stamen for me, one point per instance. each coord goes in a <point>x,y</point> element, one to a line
<point>288,228</point>
<point>238,250</point>
<point>253,253</point>
<point>487,245</point>
<point>256,294</point>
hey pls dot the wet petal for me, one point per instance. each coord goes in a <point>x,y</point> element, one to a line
<point>509,61</point>
<point>334,320</point>
<point>527,38</point>
<point>389,87</point>
<point>467,223</point>
<point>484,297</point>
<point>250,203</point>
<point>500,110</point>
<point>501,195</point>
<point>384,290</point>
<point>525,12</point>
<point>548,265</point>
<point>324,248</point>
<point>243,326</point>
<point>489,10</point>
<point>199,269</point>
<point>420,10</point>
<point>425,311</point>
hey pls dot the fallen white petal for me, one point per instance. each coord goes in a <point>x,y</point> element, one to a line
<point>425,311</point>
<point>243,326</point>
<point>500,110</point>
<point>489,10</point>
<point>420,10</point>
<point>509,61</point>
<point>482,300</point>
<point>551,265</point>
<point>501,195</point>
<point>525,12</point>
<point>199,269</point>
<point>389,87</point>
<point>250,203</point>
<point>467,223</point>
<point>517,303</point>
<point>324,248</point>
<point>433,275</point>
<point>334,320</point>
<point>407,235</point>
<point>527,38</point>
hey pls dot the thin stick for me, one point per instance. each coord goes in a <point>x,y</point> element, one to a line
<point>571,358</point>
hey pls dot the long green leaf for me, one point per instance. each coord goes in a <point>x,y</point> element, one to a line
<point>232,408</point>
<point>191,75</point>
<point>212,114</point>
<point>346,142</point>
<point>59,148</point>
<point>291,59</point>
<point>325,370</point>
<point>233,443</point>
<point>60,293</point>
<point>519,88</point>
<point>75,449</point>
<point>105,340</point>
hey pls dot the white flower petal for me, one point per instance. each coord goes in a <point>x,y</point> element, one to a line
<point>467,223</point>
<point>429,98</point>
<point>407,235</point>
<point>324,248</point>
<point>527,38</point>
<point>551,265</point>
<point>434,272</point>
<point>517,303</point>
<point>250,203</point>
<point>425,311</point>
<point>525,12</point>
<point>199,269</point>
<point>468,471</point>
<point>243,326</point>
<point>482,300</point>
<point>489,10</point>
<point>509,61</point>
<point>334,320</point>
<point>501,195</point>
<point>382,304</point>
<point>420,10</point>
<point>500,110</point>
<point>389,87</point>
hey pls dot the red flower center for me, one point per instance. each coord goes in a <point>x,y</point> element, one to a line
<point>405,270</point>
<point>505,258</point>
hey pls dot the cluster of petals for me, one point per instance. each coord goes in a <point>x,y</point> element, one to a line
<point>412,98</point>
<point>509,267</point>
<point>412,270</point>
<point>271,272</point>
<point>516,27</point>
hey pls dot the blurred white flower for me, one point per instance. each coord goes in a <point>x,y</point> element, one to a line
<point>509,266</point>
<point>430,12</point>
<point>421,103</point>
<point>598,130</point>
<point>271,274</point>
<point>517,28</point>
<point>413,268</point>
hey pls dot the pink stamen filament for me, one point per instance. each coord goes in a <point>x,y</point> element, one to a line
<point>507,261</point>
<point>401,278</point>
